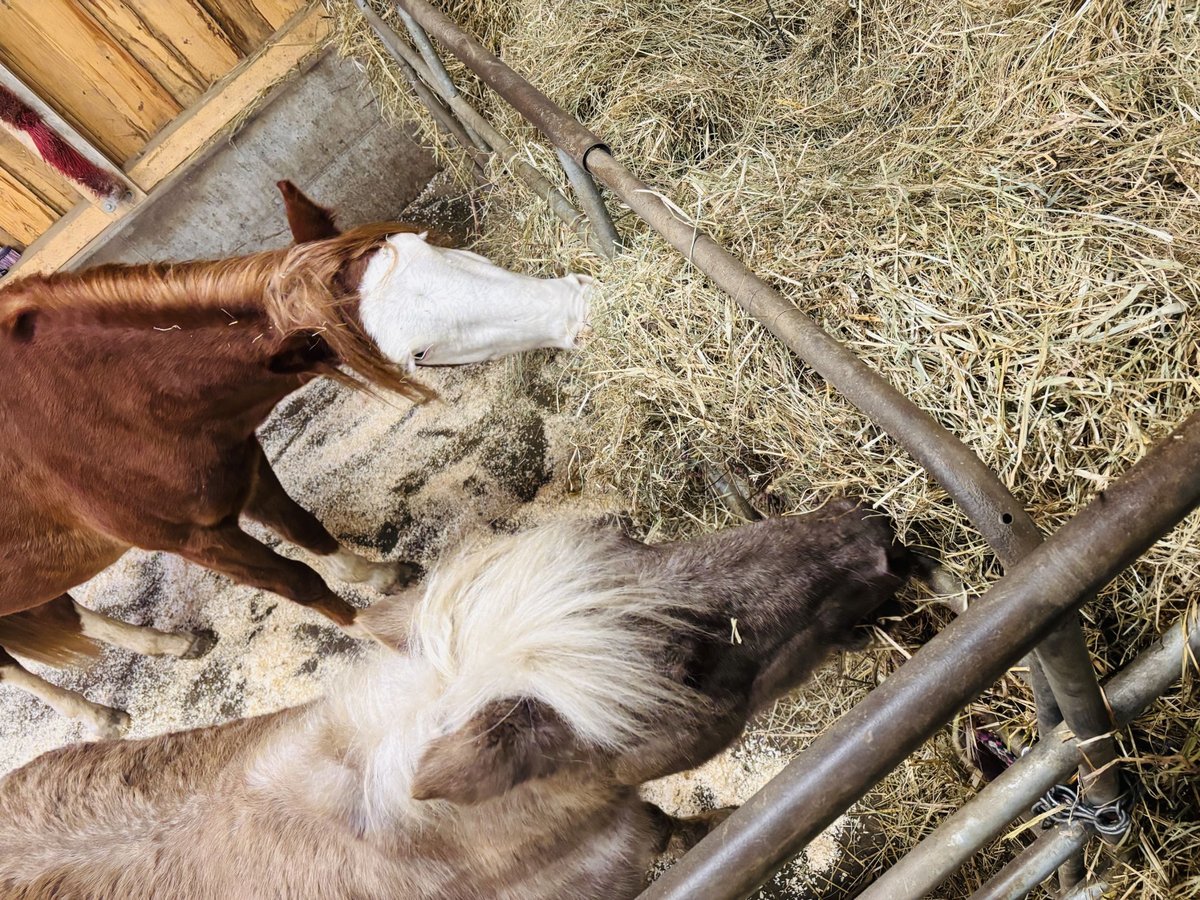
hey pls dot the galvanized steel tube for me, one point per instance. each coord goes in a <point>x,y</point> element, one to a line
<point>1035,863</point>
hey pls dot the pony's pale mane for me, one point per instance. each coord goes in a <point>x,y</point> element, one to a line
<point>553,614</point>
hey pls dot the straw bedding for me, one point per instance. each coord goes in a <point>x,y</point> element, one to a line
<point>994,203</point>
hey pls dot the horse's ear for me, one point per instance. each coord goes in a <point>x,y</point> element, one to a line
<point>19,324</point>
<point>506,743</point>
<point>307,221</point>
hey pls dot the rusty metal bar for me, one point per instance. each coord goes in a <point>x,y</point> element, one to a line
<point>441,78</point>
<point>1035,863</point>
<point>956,665</point>
<point>589,198</point>
<point>526,173</point>
<point>1010,795</point>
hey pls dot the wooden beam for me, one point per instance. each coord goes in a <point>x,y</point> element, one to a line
<point>229,98</point>
<point>185,140</point>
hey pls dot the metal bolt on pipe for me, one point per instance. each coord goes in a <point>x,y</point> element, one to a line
<point>1035,863</point>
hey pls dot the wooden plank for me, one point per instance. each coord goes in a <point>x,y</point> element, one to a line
<point>228,99</point>
<point>9,240</point>
<point>278,11</point>
<point>176,42</point>
<point>51,188</point>
<point>23,214</point>
<point>64,55</point>
<point>56,245</point>
<point>187,138</point>
<point>246,27</point>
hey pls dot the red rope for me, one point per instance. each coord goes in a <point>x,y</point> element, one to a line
<point>60,155</point>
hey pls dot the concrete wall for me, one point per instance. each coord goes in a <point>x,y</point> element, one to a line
<point>323,131</point>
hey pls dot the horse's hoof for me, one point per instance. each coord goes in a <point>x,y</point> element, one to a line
<point>203,640</point>
<point>110,724</point>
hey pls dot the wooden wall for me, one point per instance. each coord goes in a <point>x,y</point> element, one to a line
<point>118,71</point>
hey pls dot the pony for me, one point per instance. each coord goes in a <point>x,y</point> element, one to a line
<point>539,680</point>
<point>130,395</point>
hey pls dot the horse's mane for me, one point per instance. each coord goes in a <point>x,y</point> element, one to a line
<point>297,288</point>
<point>555,613</point>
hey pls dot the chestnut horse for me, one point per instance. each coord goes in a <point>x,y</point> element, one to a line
<point>498,754</point>
<point>130,395</point>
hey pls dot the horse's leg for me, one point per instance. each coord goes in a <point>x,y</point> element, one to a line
<point>270,504</point>
<point>62,632</point>
<point>104,720</point>
<point>227,549</point>
<point>142,638</point>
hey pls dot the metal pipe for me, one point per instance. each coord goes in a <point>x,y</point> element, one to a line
<point>589,198</point>
<point>562,129</point>
<point>1035,863</point>
<point>442,82</point>
<point>527,174</point>
<point>1010,794</point>
<point>967,656</point>
<point>442,116</point>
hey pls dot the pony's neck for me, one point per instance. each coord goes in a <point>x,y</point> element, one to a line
<point>353,756</point>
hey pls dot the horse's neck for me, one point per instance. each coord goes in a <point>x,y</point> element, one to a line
<point>213,366</point>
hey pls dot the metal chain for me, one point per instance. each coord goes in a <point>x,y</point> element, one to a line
<point>1062,802</point>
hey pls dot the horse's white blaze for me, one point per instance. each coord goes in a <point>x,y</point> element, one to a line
<point>432,306</point>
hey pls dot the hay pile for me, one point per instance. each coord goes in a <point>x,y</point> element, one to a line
<point>995,203</point>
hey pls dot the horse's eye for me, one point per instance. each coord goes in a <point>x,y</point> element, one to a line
<point>421,355</point>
